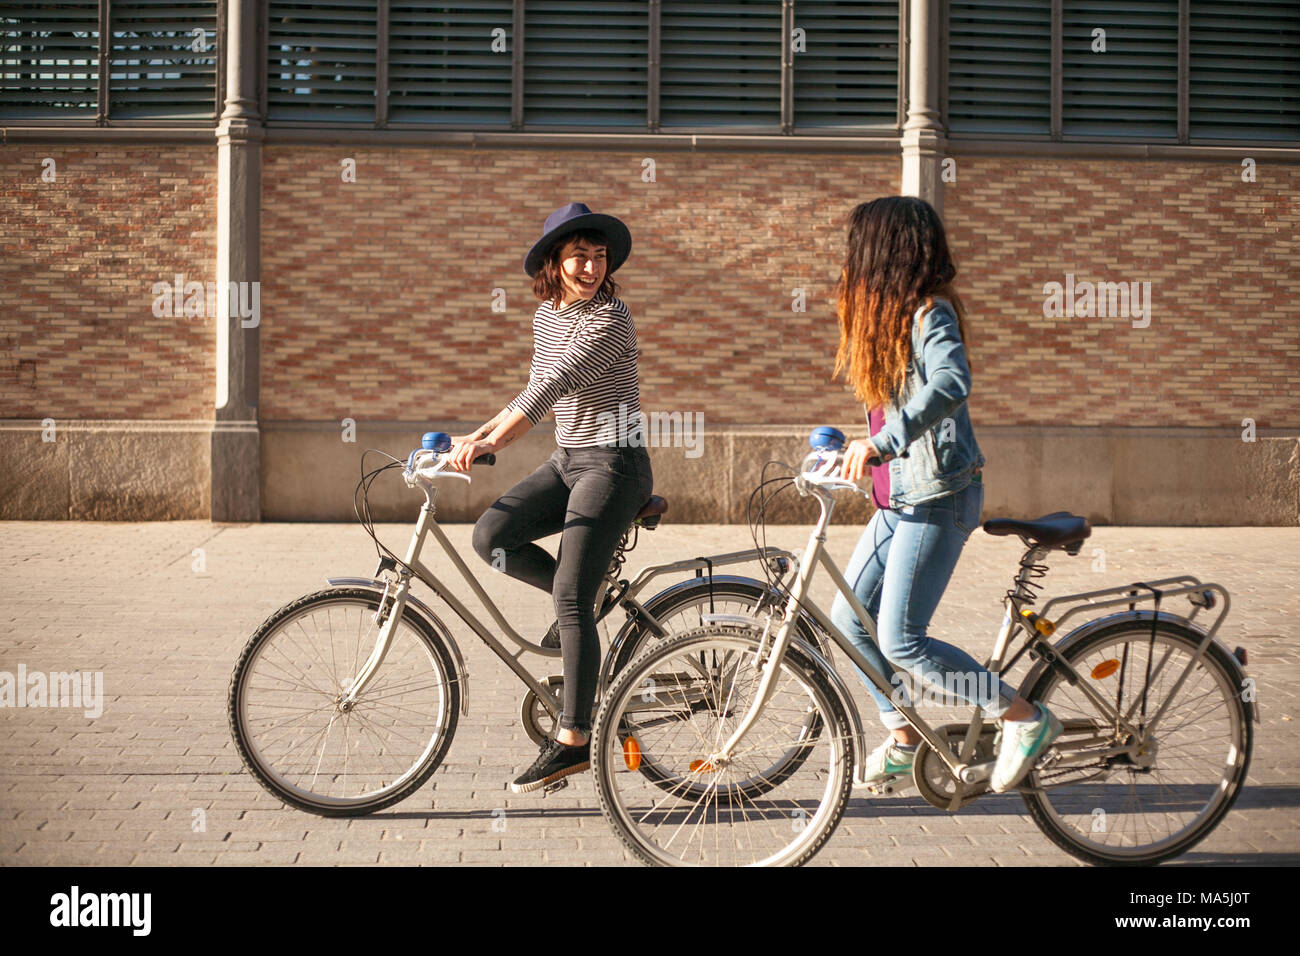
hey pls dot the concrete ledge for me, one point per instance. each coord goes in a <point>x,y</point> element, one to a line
<point>1132,476</point>
<point>105,471</point>
<point>1135,476</point>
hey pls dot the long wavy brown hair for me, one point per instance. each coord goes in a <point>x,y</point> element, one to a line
<point>897,260</point>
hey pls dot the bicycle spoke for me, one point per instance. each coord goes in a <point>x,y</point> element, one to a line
<point>679,807</point>
<point>309,746</point>
<point>1164,795</point>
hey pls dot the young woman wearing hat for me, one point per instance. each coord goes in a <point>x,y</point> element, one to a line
<point>902,349</point>
<point>585,368</point>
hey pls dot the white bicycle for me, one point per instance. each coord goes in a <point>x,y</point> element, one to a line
<point>757,741</point>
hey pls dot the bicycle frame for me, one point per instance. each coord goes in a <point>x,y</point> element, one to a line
<point>770,658</point>
<point>821,485</point>
<point>411,565</point>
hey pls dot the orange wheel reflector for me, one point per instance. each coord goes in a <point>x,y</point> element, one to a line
<point>701,766</point>
<point>1105,669</point>
<point>632,754</point>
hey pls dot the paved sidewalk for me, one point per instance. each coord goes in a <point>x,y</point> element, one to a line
<point>155,779</point>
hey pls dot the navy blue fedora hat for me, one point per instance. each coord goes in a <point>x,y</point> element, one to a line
<point>574,218</point>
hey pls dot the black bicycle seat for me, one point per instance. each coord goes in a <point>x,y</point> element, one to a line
<point>1056,530</point>
<point>651,511</point>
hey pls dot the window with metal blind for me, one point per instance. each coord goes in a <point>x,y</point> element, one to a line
<point>1244,70</point>
<point>50,60</point>
<point>720,64</point>
<point>846,64</point>
<point>585,65</point>
<point>321,61</point>
<point>447,63</point>
<point>163,60</point>
<point>1131,88</point>
<point>1000,67</point>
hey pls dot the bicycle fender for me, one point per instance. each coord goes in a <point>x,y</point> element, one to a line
<point>630,624</point>
<point>724,579</point>
<point>425,613</point>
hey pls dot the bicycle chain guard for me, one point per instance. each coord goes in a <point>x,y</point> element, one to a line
<point>538,723</point>
<point>934,781</point>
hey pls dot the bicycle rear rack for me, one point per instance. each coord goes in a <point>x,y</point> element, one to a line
<point>1201,596</point>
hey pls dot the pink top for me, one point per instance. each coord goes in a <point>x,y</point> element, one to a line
<point>879,473</point>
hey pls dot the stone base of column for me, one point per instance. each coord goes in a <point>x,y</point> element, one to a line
<point>236,472</point>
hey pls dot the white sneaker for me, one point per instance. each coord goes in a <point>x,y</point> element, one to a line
<point>1023,741</point>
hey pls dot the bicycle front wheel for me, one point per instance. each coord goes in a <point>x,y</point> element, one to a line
<point>779,797</point>
<point>1140,805</point>
<point>307,747</point>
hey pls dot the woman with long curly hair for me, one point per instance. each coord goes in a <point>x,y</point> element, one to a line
<point>902,349</point>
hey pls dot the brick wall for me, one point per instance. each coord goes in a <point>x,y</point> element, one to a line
<point>78,259</point>
<point>377,294</point>
<point>377,301</point>
<point>1223,260</point>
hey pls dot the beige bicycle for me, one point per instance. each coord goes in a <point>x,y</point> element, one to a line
<point>346,700</point>
<point>1157,717</point>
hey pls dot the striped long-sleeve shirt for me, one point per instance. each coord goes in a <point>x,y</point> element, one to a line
<point>584,366</point>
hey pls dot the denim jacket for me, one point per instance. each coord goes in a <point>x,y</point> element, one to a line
<point>928,418</point>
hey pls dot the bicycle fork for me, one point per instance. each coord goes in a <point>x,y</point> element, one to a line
<point>382,643</point>
<point>385,639</point>
<point>776,653</point>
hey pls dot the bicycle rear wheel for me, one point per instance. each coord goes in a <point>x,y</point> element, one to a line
<point>298,739</point>
<point>1141,807</point>
<point>683,608</point>
<point>778,799</point>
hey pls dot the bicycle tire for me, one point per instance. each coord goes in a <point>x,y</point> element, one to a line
<point>727,596</point>
<point>1051,806</point>
<point>801,685</point>
<point>408,762</point>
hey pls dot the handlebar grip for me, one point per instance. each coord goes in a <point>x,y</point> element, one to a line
<point>488,459</point>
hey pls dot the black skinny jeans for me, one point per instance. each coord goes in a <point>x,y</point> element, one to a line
<point>590,495</point>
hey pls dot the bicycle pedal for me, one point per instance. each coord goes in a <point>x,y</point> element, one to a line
<point>887,787</point>
<point>557,785</point>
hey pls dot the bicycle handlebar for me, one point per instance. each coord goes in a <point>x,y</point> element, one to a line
<point>428,459</point>
<point>441,442</point>
<point>826,438</point>
<point>832,439</point>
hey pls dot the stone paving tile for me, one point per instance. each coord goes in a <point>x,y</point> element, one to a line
<point>122,788</point>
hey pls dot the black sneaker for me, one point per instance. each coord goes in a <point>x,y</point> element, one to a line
<point>552,638</point>
<point>556,760</point>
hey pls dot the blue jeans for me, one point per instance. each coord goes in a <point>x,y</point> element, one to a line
<point>899,571</point>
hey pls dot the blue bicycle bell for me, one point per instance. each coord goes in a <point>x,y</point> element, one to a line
<point>441,441</point>
<point>826,439</point>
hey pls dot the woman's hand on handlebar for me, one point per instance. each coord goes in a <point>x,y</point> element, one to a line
<point>465,450</point>
<point>857,457</point>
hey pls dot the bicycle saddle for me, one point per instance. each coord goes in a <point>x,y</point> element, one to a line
<point>651,511</point>
<point>1056,530</point>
